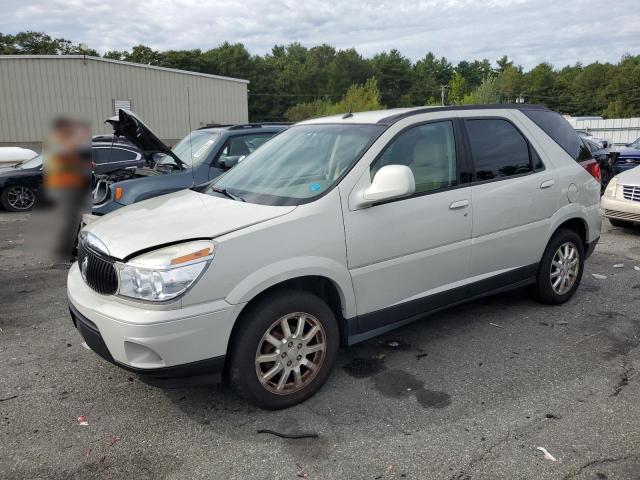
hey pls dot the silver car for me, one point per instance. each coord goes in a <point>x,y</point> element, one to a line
<point>337,230</point>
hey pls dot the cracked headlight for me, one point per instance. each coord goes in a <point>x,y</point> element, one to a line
<point>165,273</point>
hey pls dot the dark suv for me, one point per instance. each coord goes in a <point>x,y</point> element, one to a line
<point>199,157</point>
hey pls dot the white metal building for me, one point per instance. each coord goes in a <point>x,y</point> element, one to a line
<point>36,88</point>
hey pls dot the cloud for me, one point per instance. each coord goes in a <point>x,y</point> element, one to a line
<point>529,31</point>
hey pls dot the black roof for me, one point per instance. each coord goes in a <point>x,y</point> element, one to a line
<point>391,119</point>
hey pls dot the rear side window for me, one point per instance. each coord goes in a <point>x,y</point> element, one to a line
<point>498,149</point>
<point>557,127</point>
<point>111,155</point>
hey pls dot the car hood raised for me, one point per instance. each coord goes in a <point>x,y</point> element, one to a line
<point>176,217</point>
<point>128,125</point>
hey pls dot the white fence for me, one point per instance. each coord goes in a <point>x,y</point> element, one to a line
<point>619,130</point>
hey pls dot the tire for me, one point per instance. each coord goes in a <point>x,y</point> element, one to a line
<point>545,289</point>
<point>266,316</point>
<point>620,223</point>
<point>18,198</point>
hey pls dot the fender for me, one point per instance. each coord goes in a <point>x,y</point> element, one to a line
<point>590,216</point>
<point>296,267</point>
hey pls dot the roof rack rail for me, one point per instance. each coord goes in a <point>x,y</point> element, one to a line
<point>416,111</point>
<point>215,125</point>
<point>258,125</point>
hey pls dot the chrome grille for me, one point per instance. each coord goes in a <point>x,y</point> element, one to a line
<point>631,193</point>
<point>98,271</point>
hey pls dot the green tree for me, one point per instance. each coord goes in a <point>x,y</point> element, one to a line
<point>395,74</point>
<point>487,93</point>
<point>510,83</point>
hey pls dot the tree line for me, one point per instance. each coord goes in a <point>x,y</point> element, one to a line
<point>293,81</point>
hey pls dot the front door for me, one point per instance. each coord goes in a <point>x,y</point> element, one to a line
<point>411,255</point>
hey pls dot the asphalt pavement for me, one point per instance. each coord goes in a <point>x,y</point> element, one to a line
<point>466,394</point>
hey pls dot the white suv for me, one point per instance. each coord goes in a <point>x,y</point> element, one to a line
<point>336,230</point>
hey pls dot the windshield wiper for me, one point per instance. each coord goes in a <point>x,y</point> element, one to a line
<point>227,194</point>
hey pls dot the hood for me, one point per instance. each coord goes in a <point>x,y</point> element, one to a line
<point>629,152</point>
<point>128,125</point>
<point>176,217</point>
<point>629,177</point>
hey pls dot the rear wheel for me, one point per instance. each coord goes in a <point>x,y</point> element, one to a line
<point>560,269</point>
<point>18,198</point>
<point>284,349</point>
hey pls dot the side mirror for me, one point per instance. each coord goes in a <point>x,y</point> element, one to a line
<point>390,182</point>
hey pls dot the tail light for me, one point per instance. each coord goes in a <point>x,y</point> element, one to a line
<point>593,167</point>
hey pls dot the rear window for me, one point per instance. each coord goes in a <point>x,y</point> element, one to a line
<point>557,127</point>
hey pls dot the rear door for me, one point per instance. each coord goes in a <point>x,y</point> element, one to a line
<point>514,196</point>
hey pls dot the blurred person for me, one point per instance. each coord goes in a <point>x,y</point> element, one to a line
<point>66,185</point>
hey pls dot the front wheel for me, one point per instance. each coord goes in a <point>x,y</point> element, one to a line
<point>18,198</point>
<point>284,349</point>
<point>560,269</point>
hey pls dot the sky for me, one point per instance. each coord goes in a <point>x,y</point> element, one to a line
<point>562,32</point>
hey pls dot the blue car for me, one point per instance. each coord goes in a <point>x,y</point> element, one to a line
<point>199,157</point>
<point>628,156</point>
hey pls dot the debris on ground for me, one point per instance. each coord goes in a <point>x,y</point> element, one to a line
<point>8,398</point>
<point>562,322</point>
<point>637,268</point>
<point>598,276</point>
<point>83,420</point>
<point>547,455</point>
<point>421,355</point>
<point>289,435</point>
<point>495,325</point>
<point>619,265</point>
<point>380,356</point>
<point>552,416</point>
<point>393,344</point>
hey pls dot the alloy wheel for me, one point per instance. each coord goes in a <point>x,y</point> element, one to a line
<point>20,198</point>
<point>290,353</point>
<point>564,268</point>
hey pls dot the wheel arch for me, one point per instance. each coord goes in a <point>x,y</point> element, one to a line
<point>319,284</point>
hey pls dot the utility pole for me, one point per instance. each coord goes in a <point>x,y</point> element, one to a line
<point>442,88</point>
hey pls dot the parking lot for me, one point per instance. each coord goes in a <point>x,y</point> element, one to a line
<point>469,393</point>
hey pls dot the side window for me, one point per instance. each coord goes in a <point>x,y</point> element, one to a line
<point>498,149</point>
<point>243,145</point>
<point>557,127</point>
<point>110,155</point>
<point>584,152</point>
<point>100,155</point>
<point>429,150</point>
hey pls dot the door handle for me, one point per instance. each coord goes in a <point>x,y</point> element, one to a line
<point>547,184</point>
<point>459,204</point>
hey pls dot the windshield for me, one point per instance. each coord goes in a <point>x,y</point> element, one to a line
<point>34,162</point>
<point>194,148</point>
<point>299,164</point>
<point>635,144</point>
